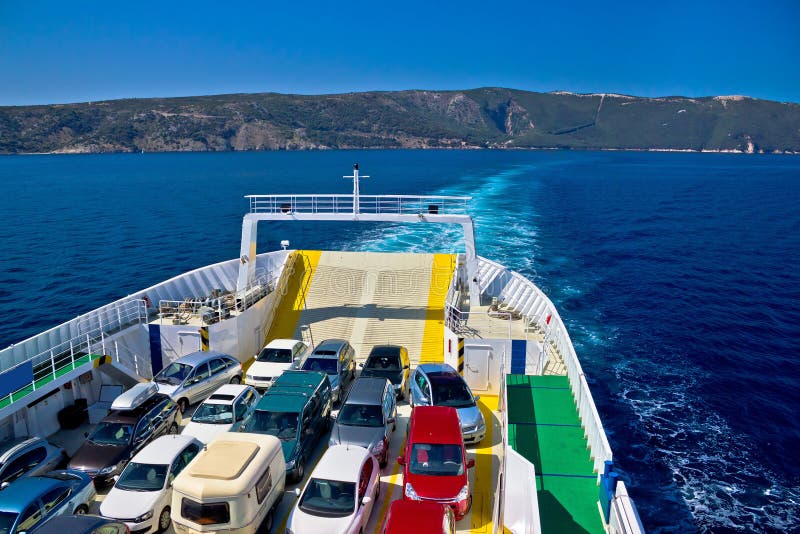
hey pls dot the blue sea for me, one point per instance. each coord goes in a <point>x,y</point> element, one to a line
<point>677,275</point>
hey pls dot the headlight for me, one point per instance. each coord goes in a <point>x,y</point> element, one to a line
<point>463,495</point>
<point>143,517</point>
<point>248,377</point>
<point>107,470</point>
<point>411,494</point>
<point>290,464</point>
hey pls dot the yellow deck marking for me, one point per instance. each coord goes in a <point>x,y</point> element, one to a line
<point>387,499</point>
<point>482,495</point>
<point>292,303</point>
<point>432,350</point>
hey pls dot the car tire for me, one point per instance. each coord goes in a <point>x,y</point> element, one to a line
<point>236,380</point>
<point>81,510</point>
<point>183,405</point>
<point>164,520</point>
<point>266,525</point>
<point>301,470</point>
<point>173,429</point>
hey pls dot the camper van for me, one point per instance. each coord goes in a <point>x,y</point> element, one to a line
<point>233,485</point>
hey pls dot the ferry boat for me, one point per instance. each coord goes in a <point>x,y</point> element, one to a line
<point>544,465</point>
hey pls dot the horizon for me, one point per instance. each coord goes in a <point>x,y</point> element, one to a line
<point>89,52</point>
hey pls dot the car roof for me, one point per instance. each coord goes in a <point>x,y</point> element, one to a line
<point>283,401</point>
<point>13,444</point>
<point>164,449</point>
<point>420,517</point>
<point>367,390</point>
<point>196,358</point>
<point>282,344</point>
<point>309,380</point>
<point>434,424</point>
<point>340,462</point>
<point>436,368</point>
<point>233,390</point>
<point>23,490</point>
<point>132,416</point>
<point>330,344</point>
<point>73,523</point>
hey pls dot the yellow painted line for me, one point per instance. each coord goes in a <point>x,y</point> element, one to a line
<point>432,350</point>
<point>292,303</point>
<point>481,515</point>
<point>387,499</point>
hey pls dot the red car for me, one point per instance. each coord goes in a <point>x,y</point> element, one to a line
<point>419,517</point>
<point>435,462</point>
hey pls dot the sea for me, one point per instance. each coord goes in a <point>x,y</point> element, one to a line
<point>678,276</point>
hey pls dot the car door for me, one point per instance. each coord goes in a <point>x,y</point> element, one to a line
<point>202,384</point>
<point>54,500</point>
<point>366,488</point>
<point>421,389</point>
<point>30,517</point>
<point>159,417</point>
<point>181,461</point>
<point>26,460</point>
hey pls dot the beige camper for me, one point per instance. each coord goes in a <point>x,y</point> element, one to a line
<point>234,484</point>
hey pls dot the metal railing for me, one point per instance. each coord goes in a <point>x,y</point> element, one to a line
<point>392,204</point>
<point>62,357</point>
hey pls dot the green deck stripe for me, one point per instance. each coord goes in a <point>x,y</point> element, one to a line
<point>547,431</point>
<point>60,371</point>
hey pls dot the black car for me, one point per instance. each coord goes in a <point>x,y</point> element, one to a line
<point>81,524</point>
<point>389,361</point>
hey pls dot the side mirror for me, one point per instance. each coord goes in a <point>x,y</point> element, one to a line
<point>5,484</point>
<point>361,365</point>
<point>390,420</point>
<point>401,460</point>
<point>477,398</point>
<point>115,477</point>
<point>333,416</point>
<point>406,367</point>
<point>470,463</point>
<point>366,500</point>
<point>423,400</point>
<point>297,491</point>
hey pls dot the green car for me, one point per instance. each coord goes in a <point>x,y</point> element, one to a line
<point>296,409</point>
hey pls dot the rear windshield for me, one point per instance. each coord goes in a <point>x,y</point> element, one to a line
<point>329,498</point>
<point>327,365</point>
<point>452,392</point>
<point>360,415</point>
<point>383,363</point>
<point>213,513</point>
<point>283,425</point>
<point>275,356</point>
<point>436,459</point>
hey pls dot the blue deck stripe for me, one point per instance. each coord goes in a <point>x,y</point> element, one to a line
<point>518,356</point>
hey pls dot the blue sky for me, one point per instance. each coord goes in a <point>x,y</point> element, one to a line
<point>53,52</point>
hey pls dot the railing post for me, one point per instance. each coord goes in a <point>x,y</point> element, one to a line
<point>52,366</point>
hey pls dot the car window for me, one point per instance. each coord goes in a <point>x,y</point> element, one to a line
<point>387,404</point>
<point>183,459</point>
<point>363,482</point>
<point>143,426</point>
<point>53,498</point>
<point>18,466</point>
<point>36,456</point>
<point>217,365</point>
<point>240,408</point>
<point>201,372</point>
<point>30,517</point>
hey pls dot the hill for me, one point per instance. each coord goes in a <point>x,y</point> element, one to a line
<point>477,118</point>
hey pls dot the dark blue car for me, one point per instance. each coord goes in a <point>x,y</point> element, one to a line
<point>29,502</point>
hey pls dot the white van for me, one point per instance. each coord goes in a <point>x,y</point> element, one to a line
<point>233,485</point>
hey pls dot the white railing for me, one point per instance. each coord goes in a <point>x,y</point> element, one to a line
<point>522,295</point>
<point>623,516</point>
<point>64,356</point>
<point>458,322</point>
<point>393,204</point>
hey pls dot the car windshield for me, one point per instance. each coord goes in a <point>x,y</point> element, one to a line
<point>7,521</point>
<point>280,424</point>
<point>452,392</point>
<point>142,477</point>
<point>436,459</point>
<point>327,365</point>
<point>275,356</point>
<point>329,498</point>
<point>173,374</point>
<point>383,363</point>
<point>213,414</point>
<point>360,415</point>
<point>112,434</point>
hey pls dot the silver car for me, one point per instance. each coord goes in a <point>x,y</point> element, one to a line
<point>438,384</point>
<point>367,417</point>
<point>21,457</point>
<point>195,376</point>
<point>336,358</point>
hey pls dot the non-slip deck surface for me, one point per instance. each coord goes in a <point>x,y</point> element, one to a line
<point>544,427</point>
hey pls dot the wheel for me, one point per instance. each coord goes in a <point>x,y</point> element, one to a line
<point>164,520</point>
<point>183,405</point>
<point>266,525</point>
<point>301,470</point>
<point>173,429</point>
<point>82,509</point>
<point>236,380</point>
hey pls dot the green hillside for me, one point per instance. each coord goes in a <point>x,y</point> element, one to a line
<point>487,117</point>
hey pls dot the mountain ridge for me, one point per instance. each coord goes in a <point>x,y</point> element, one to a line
<point>488,117</point>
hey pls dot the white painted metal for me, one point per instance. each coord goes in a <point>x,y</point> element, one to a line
<point>476,366</point>
<point>521,503</point>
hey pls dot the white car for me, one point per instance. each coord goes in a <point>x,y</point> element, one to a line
<point>142,494</point>
<point>278,356</point>
<point>339,495</point>
<point>225,410</point>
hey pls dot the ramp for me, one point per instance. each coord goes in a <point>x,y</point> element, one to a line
<point>368,298</point>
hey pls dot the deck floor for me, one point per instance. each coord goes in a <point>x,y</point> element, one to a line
<point>544,427</point>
